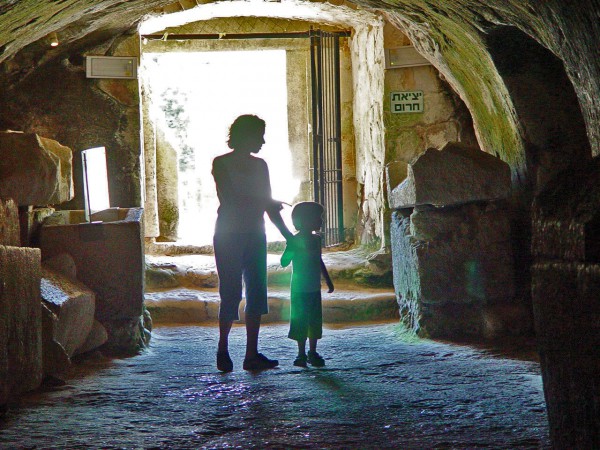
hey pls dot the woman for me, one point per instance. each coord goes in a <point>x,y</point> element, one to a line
<point>240,244</point>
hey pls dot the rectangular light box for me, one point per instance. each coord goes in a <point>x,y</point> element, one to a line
<point>111,67</point>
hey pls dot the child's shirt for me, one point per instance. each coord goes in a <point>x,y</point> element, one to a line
<point>304,250</point>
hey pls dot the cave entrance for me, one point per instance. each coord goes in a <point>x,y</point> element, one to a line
<point>194,98</point>
<point>234,29</point>
<point>192,92</point>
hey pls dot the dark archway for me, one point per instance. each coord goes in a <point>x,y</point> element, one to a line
<point>552,127</point>
<point>561,178</point>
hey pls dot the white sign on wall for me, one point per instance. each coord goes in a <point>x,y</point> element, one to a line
<point>403,102</point>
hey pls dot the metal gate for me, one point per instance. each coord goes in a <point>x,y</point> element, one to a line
<point>326,125</point>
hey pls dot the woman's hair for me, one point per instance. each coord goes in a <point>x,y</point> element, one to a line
<point>243,127</point>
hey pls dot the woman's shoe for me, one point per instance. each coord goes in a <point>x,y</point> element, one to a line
<point>224,362</point>
<point>260,362</point>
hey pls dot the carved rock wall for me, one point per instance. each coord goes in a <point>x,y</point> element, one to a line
<point>34,170</point>
<point>565,286</point>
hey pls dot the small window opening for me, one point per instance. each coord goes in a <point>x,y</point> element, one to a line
<point>95,180</point>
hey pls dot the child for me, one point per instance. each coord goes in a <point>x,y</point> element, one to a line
<point>304,251</point>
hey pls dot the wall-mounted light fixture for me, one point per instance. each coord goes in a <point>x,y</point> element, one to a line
<point>402,57</point>
<point>111,67</point>
<point>53,39</point>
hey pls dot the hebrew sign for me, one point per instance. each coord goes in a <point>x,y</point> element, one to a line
<point>407,102</point>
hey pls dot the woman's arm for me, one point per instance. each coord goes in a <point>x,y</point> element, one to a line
<point>275,216</point>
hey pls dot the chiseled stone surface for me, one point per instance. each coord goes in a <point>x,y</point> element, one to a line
<point>97,337</point>
<point>455,175</point>
<point>74,306</point>
<point>20,321</point>
<point>56,360</point>
<point>377,390</point>
<point>9,223</point>
<point>34,170</point>
<point>449,264</point>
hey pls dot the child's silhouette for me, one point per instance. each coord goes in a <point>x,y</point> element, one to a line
<point>303,250</point>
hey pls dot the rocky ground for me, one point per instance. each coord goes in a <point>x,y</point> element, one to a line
<point>379,389</point>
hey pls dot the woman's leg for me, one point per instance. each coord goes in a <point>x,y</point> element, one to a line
<point>301,348</point>
<point>224,329</point>
<point>252,330</point>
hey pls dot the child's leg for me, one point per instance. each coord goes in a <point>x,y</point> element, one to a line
<point>302,347</point>
<point>313,357</point>
<point>312,342</point>
<point>300,360</point>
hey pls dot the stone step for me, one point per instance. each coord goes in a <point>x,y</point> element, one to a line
<point>197,306</point>
<point>198,271</point>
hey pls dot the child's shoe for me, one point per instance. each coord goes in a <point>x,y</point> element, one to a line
<point>300,361</point>
<point>314,359</point>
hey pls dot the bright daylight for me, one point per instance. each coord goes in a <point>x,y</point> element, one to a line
<point>195,97</point>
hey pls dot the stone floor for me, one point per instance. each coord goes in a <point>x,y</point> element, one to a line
<point>379,389</point>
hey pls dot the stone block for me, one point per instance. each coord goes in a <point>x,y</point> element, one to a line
<point>74,306</point>
<point>565,217</point>
<point>448,260</point>
<point>395,173</point>
<point>34,170</point>
<point>56,360</point>
<point>98,336</point>
<point>64,264</point>
<point>9,223</point>
<point>455,175</point>
<point>21,362</point>
<point>109,257</point>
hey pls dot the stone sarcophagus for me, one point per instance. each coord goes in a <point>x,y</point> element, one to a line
<point>109,257</point>
<point>451,248</point>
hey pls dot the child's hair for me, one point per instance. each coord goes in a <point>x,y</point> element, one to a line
<point>247,124</point>
<point>307,214</point>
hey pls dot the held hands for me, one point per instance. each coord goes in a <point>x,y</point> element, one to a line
<point>277,205</point>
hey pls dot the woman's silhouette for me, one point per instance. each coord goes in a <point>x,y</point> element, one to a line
<point>240,244</point>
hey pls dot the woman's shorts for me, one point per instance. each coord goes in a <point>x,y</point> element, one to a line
<point>241,256</point>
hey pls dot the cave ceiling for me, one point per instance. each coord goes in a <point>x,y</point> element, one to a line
<point>450,33</point>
